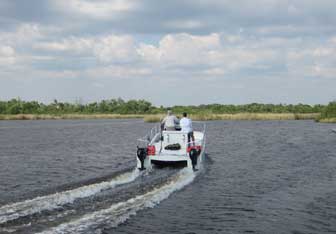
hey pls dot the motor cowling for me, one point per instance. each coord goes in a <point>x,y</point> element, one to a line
<point>193,154</point>
<point>142,154</point>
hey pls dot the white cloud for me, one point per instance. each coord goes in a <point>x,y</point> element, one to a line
<point>180,49</point>
<point>28,32</point>
<point>106,49</point>
<point>211,55</point>
<point>115,48</point>
<point>96,9</point>
<point>319,61</point>
<point>72,44</point>
<point>6,51</point>
<point>23,35</point>
<point>215,54</point>
<point>207,54</point>
<point>7,55</point>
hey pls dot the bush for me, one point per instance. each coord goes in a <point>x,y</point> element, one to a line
<point>329,111</point>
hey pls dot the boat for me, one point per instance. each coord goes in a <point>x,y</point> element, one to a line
<point>171,148</point>
<point>334,130</point>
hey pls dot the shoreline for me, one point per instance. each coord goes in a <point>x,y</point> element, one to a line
<point>151,118</point>
<point>243,116</point>
<point>327,120</point>
<point>68,116</point>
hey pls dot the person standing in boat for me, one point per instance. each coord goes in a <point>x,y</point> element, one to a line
<point>170,122</point>
<point>186,126</point>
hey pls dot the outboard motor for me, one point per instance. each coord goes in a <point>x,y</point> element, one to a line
<point>142,153</point>
<point>193,154</point>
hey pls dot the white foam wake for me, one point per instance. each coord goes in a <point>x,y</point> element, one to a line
<point>120,212</point>
<point>53,201</point>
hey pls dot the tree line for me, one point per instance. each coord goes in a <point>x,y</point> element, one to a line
<point>120,106</point>
<point>329,111</point>
<point>250,108</point>
<point>114,106</point>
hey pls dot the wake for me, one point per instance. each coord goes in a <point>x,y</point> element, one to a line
<point>120,212</point>
<point>50,202</point>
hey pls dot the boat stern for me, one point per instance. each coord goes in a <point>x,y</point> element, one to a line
<point>171,148</point>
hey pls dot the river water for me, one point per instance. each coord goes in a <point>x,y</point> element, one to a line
<point>78,176</point>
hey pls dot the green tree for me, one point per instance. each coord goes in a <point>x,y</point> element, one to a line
<point>329,111</point>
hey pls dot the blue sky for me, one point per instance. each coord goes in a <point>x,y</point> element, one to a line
<point>169,52</point>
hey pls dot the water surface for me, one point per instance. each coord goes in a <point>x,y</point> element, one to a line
<point>258,177</point>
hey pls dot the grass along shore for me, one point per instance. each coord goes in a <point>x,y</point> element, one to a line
<point>242,116</point>
<point>327,120</point>
<point>68,116</point>
<point>158,117</point>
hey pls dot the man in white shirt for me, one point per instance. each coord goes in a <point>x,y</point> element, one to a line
<point>186,126</point>
<point>170,122</point>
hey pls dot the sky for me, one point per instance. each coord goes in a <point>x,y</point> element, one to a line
<point>177,52</point>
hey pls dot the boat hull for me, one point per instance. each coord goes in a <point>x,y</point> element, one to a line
<point>177,161</point>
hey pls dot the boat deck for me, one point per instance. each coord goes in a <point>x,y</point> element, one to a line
<point>176,137</point>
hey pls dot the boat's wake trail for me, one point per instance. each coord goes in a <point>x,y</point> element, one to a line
<point>121,211</point>
<point>93,207</point>
<point>50,202</point>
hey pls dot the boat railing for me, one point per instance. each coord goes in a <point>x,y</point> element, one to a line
<point>148,138</point>
<point>150,135</point>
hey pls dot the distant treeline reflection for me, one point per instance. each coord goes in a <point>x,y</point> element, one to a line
<point>120,106</point>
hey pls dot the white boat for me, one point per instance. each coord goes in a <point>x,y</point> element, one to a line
<point>171,148</point>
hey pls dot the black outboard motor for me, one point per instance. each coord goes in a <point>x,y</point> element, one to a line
<point>142,153</point>
<point>193,154</point>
